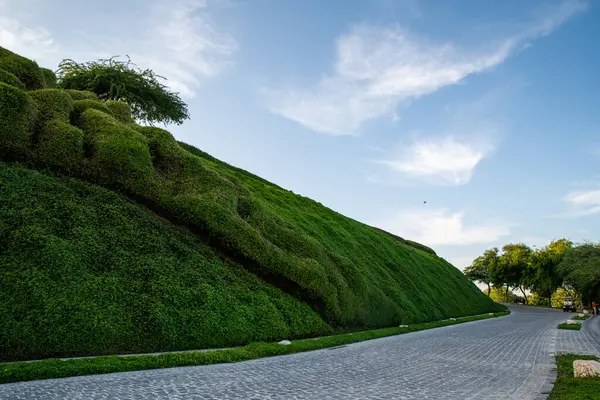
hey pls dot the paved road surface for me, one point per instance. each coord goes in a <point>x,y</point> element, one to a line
<point>502,358</point>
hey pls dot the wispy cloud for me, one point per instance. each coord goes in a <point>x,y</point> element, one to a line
<point>186,44</point>
<point>376,68</point>
<point>441,227</point>
<point>586,202</point>
<point>178,39</point>
<point>440,161</point>
<point>25,40</point>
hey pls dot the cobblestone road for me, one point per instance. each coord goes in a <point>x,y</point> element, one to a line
<point>502,358</point>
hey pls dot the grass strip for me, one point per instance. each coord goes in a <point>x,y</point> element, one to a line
<point>569,327</point>
<point>567,387</point>
<point>57,368</point>
<point>578,318</point>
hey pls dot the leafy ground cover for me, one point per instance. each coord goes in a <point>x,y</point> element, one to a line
<point>567,387</point>
<point>182,251</point>
<point>56,368</point>
<point>569,327</point>
<point>578,318</point>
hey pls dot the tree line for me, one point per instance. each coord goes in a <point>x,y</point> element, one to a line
<point>559,265</point>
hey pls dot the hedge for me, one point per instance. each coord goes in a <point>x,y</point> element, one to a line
<point>26,70</point>
<point>79,106</point>
<point>81,94</point>
<point>10,79</point>
<point>120,154</point>
<point>17,116</point>
<point>121,111</point>
<point>60,147</point>
<point>52,104</point>
<point>49,78</point>
<point>86,271</point>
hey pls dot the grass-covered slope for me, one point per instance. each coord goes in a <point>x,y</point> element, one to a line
<point>353,276</point>
<point>84,271</point>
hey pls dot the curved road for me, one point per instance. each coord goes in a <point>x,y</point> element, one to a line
<point>501,358</point>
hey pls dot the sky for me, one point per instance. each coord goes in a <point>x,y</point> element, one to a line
<point>488,111</point>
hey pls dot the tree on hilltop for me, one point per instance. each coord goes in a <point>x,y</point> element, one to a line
<point>110,79</point>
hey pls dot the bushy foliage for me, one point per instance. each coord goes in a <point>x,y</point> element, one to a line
<point>17,116</point>
<point>60,147</point>
<point>120,155</point>
<point>81,95</point>
<point>49,78</point>
<point>26,70</point>
<point>352,275</point>
<point>79,106</point>
<point>110,79</point>
<point>10,79</point>
<point>85,271</point>
<point>121,111</point>
<point>357,275</point>
<point>52,104</point>
<point>580,268</point>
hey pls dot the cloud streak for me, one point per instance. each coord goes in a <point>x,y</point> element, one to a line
<point>584,203</point>
<point>376,68</point>
<point>440,161</point>
<point>441,227</point>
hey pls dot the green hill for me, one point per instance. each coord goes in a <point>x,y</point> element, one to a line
<point>115,237</point>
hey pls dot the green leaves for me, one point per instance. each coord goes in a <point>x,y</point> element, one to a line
<point>580,268</point>
<point>109,79</point>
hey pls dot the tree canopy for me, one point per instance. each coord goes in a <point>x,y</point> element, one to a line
<point>110,79</point>
<point>559,266</point>
<point>580,268</point>
<point>483,268</point>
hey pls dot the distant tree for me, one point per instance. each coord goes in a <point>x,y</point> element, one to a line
<point>109,79</point>
<point>544,263</point>
<point>482,268</point>
<point>580,269</point>
<point>514,266</point>
<point>558,297</point>
<point>499,294</point>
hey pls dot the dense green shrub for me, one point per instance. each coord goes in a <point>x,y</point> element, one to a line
<point>80,106</point>
<point>49,78</point>
<point>85,271</point>
<point>81,95</point>
<point>121,111</point>
<point>11,79</point>
<point>60,147</point>
<point>17,116</point>
<point>52,104</point>
<point>120,154</point>
<point>26,70</point>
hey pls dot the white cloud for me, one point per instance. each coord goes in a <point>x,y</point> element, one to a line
<point>178,39</point>
<point>584,202</point>
<point>30,42</point>
<point>440,227</point>
<point>376,68</point>
<point>185,44</point>
<point>442,160</point>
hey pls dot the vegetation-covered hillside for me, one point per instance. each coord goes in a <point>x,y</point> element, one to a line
<point>84,270</point>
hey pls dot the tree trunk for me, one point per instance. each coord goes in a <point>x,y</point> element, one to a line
<point>550,301</point>
<point>524,295</point>
<point>506,295</point>
<point>489,289</point>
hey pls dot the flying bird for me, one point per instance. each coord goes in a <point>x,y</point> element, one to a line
<point>424,202</point>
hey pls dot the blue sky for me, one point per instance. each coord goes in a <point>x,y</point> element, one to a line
<point>487,110</point>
